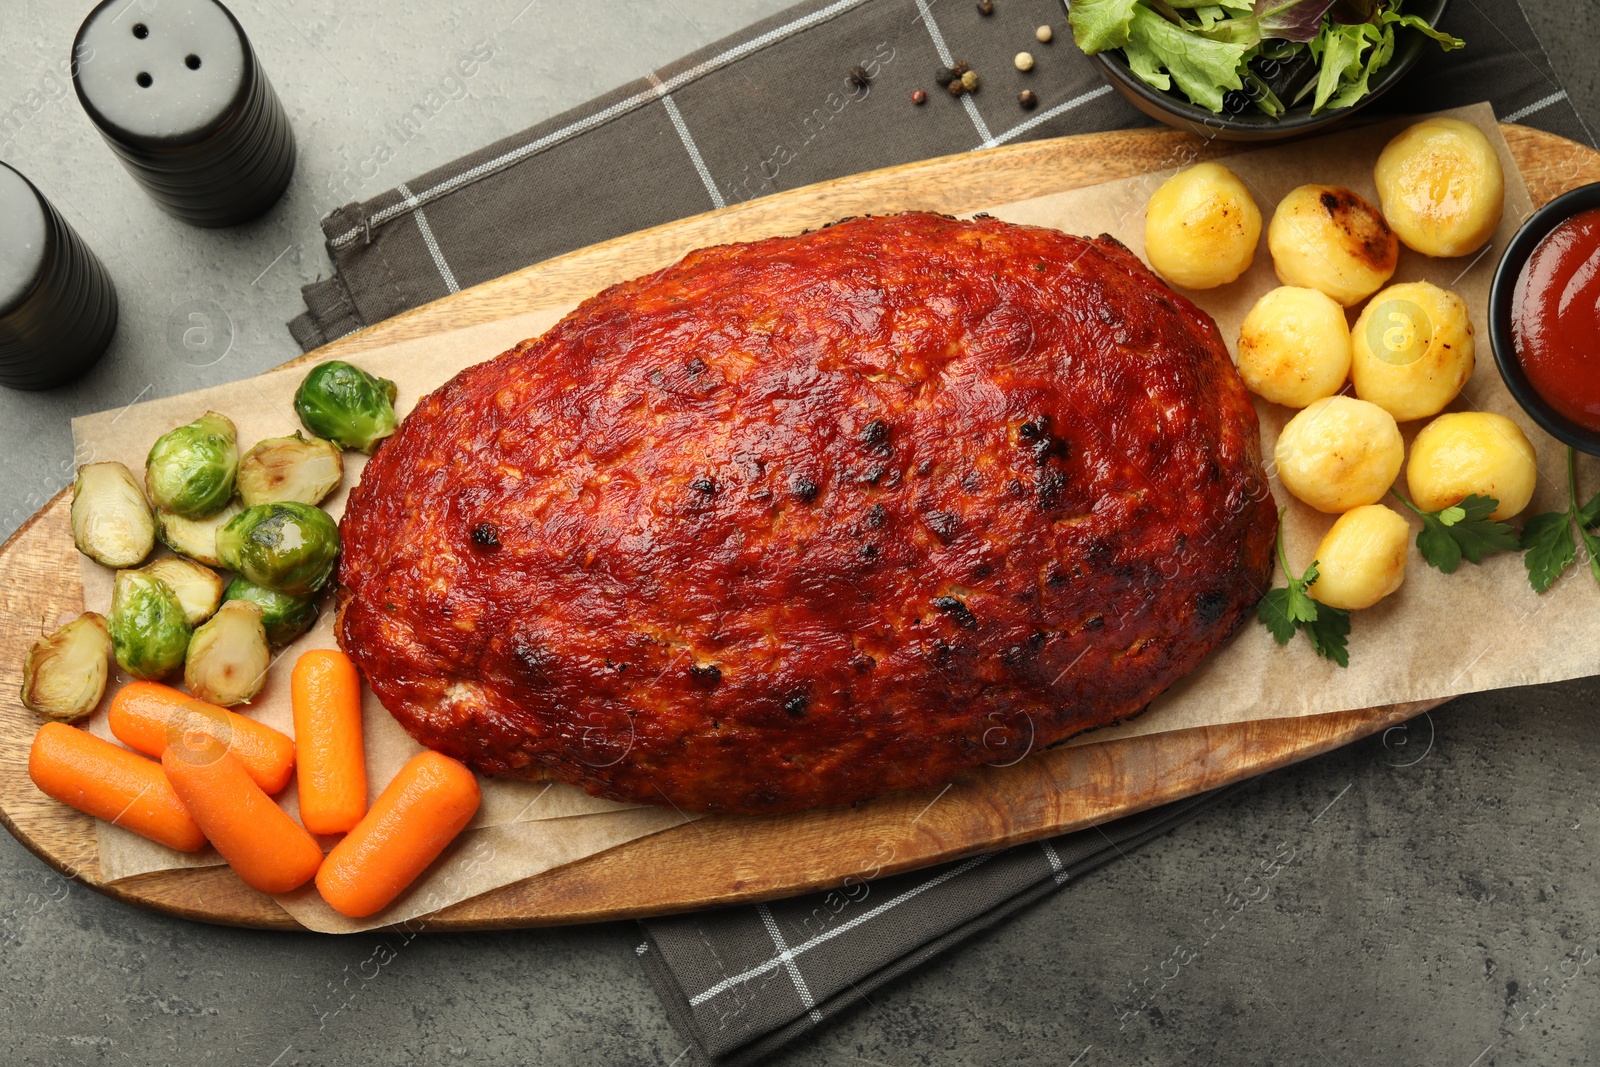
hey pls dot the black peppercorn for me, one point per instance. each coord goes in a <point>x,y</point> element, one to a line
<point>945,77</point>
<point>1027,99</point>
<point>859,77</point>
<point>484,535</point>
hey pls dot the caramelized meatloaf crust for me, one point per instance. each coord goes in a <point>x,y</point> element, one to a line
<point>801,521</point>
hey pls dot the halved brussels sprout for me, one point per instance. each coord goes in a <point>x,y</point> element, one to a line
<point>65,674</point>
<point>346,405</point>
<point>290,468</point>
<point>289,548</point>
<point>198,588</point>
<point>285,617</point>
<point>149,633</point>
<point>195,538</point>
<point>190,470</point>
<point>111,520</point>
<point>228,656</point>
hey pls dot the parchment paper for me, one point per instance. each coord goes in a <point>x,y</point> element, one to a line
<point>1440,635</point>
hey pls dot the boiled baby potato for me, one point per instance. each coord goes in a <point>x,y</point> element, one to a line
<point>1412,350</point>
<point>1294,347</point>
<point>1472,452</point>
<point>1362,559</point>
<point>1201,227</point>
<point>1339,453</point>
<point>1327,238</point>
<point>1441,187</point>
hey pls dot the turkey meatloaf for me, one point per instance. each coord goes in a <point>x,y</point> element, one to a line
<point>800,521</point>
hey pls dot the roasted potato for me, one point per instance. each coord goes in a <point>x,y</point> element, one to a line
<point>1472,452</point>
<point>1327,238</point>
<point>1412,350</point>
<point>1339,453</point>
<point>1201,227</point>
<point>1294,347</point>
<point>1362,559</point>
<point>1441,187</point>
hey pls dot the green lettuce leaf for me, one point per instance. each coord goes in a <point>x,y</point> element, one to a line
<point>1390,17</point>
<point>1101,24</point>
<point>1338,49</point>
<point>1203,68</point>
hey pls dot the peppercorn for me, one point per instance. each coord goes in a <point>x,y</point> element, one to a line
<point>1024,61</point>
<point>959,67</point>
<point>1044,34</point>
<point>918,96</point>
<point>956,88</point>
<point>859,77</point>
<point>945,77</point>
<point>985,7</point>
<point>1027,99</point>
<point>969,81</point>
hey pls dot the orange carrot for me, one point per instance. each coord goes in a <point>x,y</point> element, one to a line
<point>261,843</point>
<point>330,764</point>
<point>429,802</point>
<point>111,783</point>
<point>145,716</point>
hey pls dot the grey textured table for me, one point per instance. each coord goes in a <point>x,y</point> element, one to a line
<point>1441,904</point>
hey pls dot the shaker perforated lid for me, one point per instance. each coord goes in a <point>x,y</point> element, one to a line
<point>159,75</point>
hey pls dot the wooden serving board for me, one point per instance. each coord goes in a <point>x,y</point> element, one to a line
<point>728,859</point>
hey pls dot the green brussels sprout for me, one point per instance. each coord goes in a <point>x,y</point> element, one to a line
<point>190,470</point>
<point>64,676</point>
<point>346,405</point>
<point>195,538</point>
<point>228,656</point>
<point>149,633</point>
<point>111,522</point>
<point>198,588</point>
<point>290,468</point>
<point>288,547</point>
<point>285,617</point>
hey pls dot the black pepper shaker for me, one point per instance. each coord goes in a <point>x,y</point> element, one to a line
<point>58,307</point>
<point>177,92</point>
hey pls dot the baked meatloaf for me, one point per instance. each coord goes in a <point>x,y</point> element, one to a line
<point>801,521</point>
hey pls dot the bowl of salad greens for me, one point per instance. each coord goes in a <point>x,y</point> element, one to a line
<point>1255,70</point>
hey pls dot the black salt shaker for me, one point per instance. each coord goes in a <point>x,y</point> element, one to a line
<point>58,308</point>
<point>178,94</point>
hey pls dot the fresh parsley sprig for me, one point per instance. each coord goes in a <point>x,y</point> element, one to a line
<point>1290,608</point>
<point>1460,531</point>
<point>1547,542</point>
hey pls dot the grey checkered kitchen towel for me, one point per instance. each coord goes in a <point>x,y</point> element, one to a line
<point>772,109</point>
<point>767,110</point>
<point>740,983</point>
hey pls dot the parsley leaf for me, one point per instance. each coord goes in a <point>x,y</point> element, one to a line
<point>1461,531</point>
<point>1548,545</point>
<point>1283,611</point>
<point>1548,548</point>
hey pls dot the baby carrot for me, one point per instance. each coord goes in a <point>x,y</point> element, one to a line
<point>146,715</point>
<point>267,849</point>
<point>429,802</point>
<point>330,764</point>
<point>111,783</point>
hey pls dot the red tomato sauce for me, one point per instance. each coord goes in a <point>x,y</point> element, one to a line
<point>1555,319</point>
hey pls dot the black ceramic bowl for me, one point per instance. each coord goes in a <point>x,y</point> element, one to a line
<point>1250,124</point>
<point>1502,292</point>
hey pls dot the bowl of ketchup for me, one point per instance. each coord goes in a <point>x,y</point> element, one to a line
<point>1544,317</point>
